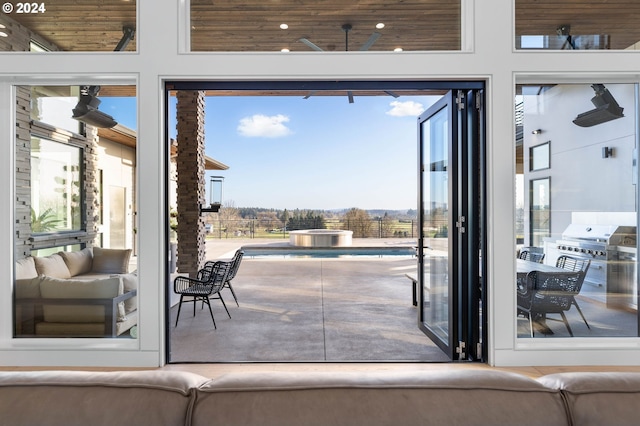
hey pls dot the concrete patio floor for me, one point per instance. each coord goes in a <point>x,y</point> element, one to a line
<point>307,310</point>
<point>333,310</point>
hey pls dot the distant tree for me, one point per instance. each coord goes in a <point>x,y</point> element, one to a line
<point>386,225</point>
<point>268,220</point>
<point>284,217</point>
<point>248,212</point>
<point>229,217</point>
<point>302,220</point>
<point>358,221</point>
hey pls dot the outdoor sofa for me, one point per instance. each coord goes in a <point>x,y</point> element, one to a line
<point>457,396</point>
<point>85,293</point>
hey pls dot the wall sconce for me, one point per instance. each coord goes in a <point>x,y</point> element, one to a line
<point>536,131</point>
<point>607,152</point>
<point>215,195</point>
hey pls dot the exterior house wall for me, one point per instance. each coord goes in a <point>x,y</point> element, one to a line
<point>118,165</point>
<point>25,128</point>
<point>609,181</point>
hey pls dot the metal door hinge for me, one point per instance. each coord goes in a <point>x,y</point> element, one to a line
<point>460,350</point>
<point>460,100</point>
<point>460,224</point>
<point>479,350</point>
<point>478,100</point>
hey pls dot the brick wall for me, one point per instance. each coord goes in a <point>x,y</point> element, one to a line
<point>190,167</point>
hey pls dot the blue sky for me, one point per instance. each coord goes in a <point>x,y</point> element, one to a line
<point>318,153</point>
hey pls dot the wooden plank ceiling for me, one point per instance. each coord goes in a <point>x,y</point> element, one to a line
<point>254,25</point>
<point>618,19</point>
<point>82,25</point>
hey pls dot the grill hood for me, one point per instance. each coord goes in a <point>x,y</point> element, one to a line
<point>614,235</point>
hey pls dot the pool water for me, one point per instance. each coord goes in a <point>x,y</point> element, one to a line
<point>327,253</point>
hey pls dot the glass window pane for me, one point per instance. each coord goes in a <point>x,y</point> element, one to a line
<point>56,179</point>
<point>576,214</point>
<point>308,26</point>
<point>51,105</point>
<point>577,25</point>
<point>75,193</point>
<point>66,25</point>
<point>539,156</point>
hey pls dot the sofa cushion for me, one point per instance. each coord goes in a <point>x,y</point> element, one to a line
<point>28,288</point>
<point>410,397</point>
<point>78,262</point>
<point>78,289</point>
<point>52,266</point>
<point>26,268</point>
<point>111,261</point>
<point>153,397</point>
<point>598,398</point>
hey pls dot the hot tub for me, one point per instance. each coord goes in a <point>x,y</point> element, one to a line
<point>320,238</point>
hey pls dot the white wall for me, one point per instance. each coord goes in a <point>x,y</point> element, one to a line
<point>581,179</point>
<point>490,56</point>
<point>118,163</point>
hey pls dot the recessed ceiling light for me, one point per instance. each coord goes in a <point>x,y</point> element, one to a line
<point>285,50</point>
<point>283,26</point>
<point>380,25</point>
<point>398,49</point>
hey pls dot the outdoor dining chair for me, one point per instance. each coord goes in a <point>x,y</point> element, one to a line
<point>574,264</point>
<point>235,265</point>
<point>207,285</point>
<point>549,293</point>
<point>531,256</point>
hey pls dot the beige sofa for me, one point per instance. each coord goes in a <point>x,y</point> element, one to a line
<point>453,397</point>
<point>86,293</point>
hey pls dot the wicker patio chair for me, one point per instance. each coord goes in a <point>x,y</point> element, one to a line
<point>235,265</point>
<point>549,293</point>
<point>574,264</point>
<point>207,285</point>
<point>531,256</point>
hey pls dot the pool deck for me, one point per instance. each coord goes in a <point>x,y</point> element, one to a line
<point>224,248</point>
<point>308,310</point>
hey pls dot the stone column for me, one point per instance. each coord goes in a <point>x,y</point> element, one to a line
<point>190,167</point>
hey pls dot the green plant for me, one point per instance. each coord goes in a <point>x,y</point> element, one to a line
<point>43,222</point>
<point>173,219</point>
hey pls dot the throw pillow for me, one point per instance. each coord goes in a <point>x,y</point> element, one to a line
<point>52,266</point>
<point>26,268</point>
<point>104,288</point>
<point>78,262</point>
<point>129,282</point>
<point>111,261</point>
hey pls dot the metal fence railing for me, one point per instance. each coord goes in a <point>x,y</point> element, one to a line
<point>256,228</point>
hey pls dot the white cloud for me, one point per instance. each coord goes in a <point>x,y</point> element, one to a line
<point>262,126</point>
<point>404,109</point>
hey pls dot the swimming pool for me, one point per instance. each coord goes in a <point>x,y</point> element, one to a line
<point>327,253</point>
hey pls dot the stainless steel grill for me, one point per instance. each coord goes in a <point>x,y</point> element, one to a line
<point>607,246</point>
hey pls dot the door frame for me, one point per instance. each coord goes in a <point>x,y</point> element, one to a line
<point>466,337</point>
<point>268,87</point>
